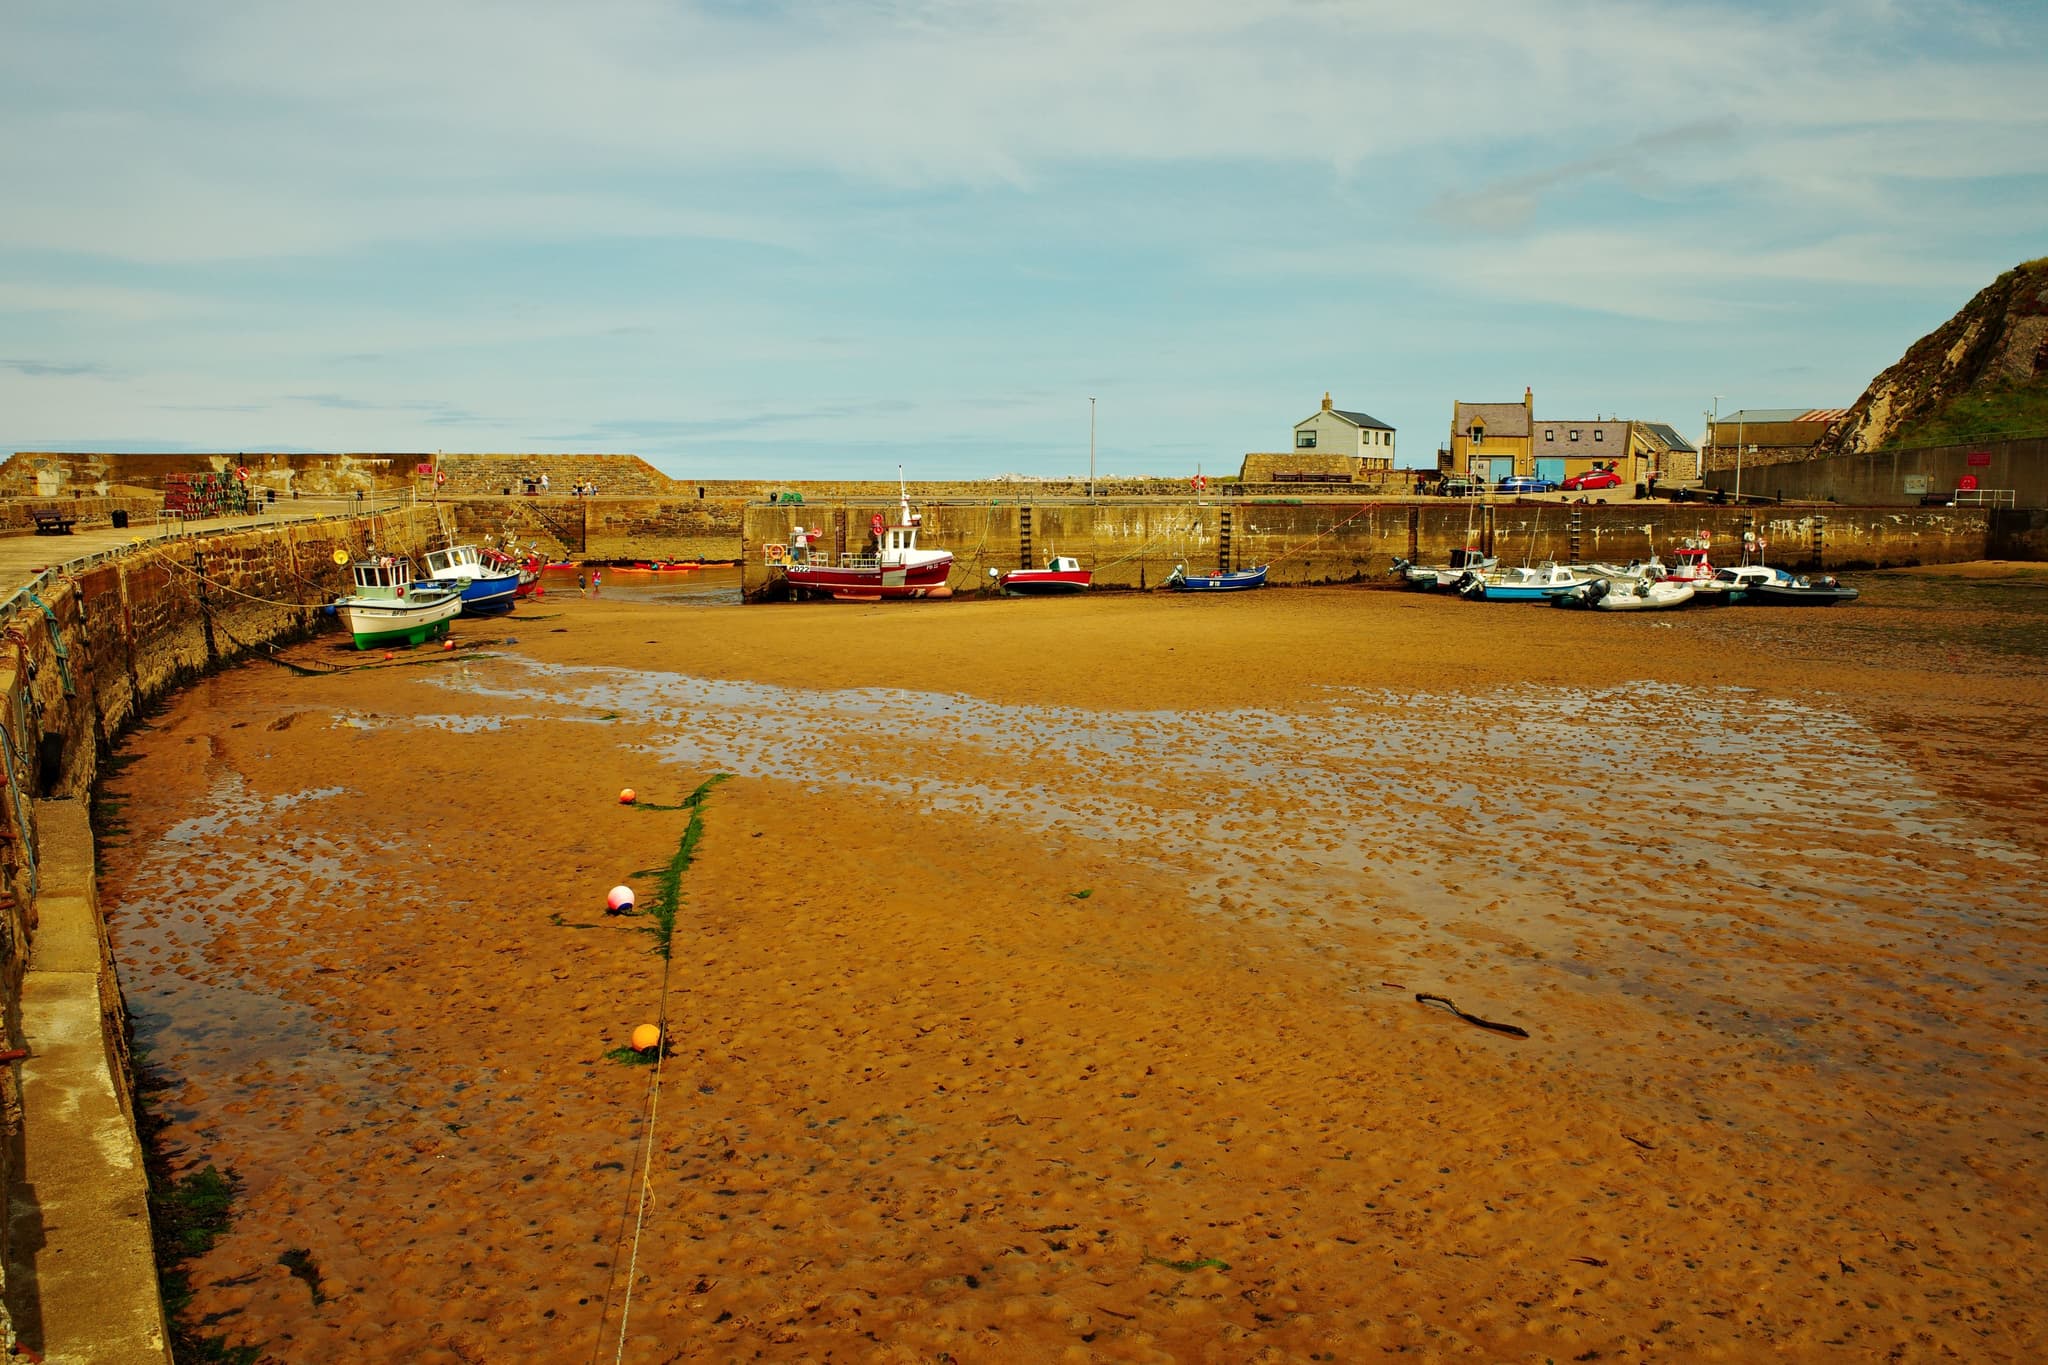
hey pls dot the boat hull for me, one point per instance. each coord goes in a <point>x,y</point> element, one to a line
<point>1775,595</point>
<point>377,623</point>
<point>1656,597</point>
<point>482,596</point>
<point>1236,581</point>
<point>882,583</point>
<point>1047,582</point>
<point>1517,592</point>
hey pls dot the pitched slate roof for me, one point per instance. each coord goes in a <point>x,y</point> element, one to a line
<point>1357,419</point>
<point>1499,419</point>
<point>1554,436</point>
<point>1670,437</point>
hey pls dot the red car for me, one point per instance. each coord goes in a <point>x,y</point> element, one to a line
<point>1592,478</point>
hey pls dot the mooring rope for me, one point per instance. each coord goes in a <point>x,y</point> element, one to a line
<point>647,1163</point>
<point>1363,508</point>
<point>216,583</point>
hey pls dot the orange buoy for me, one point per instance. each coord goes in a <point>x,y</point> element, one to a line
<point>626,797</point>
<point>647,1037</point>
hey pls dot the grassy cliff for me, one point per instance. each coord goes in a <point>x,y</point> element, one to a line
<point>1980,375</point>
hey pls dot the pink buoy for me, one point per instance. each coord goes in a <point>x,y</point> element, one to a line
<point>620,901</point>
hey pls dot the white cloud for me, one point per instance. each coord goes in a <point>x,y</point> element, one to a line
<point>222,186</point>
<point>280,128</point>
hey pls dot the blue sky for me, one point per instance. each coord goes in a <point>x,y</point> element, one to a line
<point>789,240</point>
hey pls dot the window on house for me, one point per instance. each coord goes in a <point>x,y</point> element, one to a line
<point>1599,435</point>
<point>1550,433</point>
<point>1478,435</point>
<point>1304,440</point>
<point>1575,433</point>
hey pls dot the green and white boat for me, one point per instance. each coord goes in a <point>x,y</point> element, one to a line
<point>388,608</point>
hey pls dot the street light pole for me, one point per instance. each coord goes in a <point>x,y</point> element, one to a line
<point>1091,447</point>
<point>1713,435</point>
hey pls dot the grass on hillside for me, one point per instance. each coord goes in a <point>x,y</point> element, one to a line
<point>2014,410</point>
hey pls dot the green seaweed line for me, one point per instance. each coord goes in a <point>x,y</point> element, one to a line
<point>668,896</point>
<point>1189,1267</point>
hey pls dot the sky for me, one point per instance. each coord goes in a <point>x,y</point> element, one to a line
<point>789,240</point>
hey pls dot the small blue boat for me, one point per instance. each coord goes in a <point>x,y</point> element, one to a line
<point>1183,581</point>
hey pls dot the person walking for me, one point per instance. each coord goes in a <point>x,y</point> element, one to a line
<point>582,583</point>
<point>596,581</point>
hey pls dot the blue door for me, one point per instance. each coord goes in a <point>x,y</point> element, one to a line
<point>1552,470</point>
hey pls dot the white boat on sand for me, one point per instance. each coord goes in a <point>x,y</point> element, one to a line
<point>389,608</point>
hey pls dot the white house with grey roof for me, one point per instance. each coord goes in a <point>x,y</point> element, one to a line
<point>1336,431</point>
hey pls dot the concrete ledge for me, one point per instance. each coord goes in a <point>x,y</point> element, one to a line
<point>81,1272</point>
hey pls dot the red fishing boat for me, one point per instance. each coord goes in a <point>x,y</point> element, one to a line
<point>1060,575</point>
<point>897,568</point>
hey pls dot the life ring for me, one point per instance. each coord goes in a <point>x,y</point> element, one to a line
<point>875,523</point>
<point>440,476</point>
<point>1199,483</point>
<point>242,473</point>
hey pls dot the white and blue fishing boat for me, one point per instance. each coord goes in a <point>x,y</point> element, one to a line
<point>389,608</point>
<point>1428,578</point>
<point>485,588</point>
<point>1523,584</point>
<point>1221,581</point>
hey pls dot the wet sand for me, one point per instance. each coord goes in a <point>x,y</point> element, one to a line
<point>1044,983</point>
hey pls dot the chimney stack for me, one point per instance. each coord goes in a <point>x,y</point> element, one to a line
<point>1326,400</point>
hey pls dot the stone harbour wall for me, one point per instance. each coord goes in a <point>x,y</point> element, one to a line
<point>1135,545</point>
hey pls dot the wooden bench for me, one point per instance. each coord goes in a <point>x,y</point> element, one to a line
<point>50,522</point>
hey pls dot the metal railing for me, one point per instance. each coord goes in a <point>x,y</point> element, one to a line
<point>1984,497</point>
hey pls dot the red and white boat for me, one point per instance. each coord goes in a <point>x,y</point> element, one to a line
<point>1690,563</point>
<point>897,568</point>
<point>1060,575</point>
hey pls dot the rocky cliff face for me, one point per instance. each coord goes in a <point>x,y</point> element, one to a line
<point>1983,372</point>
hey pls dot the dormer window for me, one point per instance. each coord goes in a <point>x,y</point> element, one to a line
<point>1478,434</point>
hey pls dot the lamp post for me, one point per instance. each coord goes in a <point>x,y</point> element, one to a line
<point>1091,447</point>
<point>1713,436</point>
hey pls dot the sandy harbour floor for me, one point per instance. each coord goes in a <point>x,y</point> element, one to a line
<point>1044,984</point>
